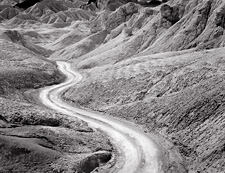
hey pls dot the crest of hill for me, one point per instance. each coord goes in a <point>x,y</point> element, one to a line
<point>42,7</point>
<point>67,16</point>
<point>8,2</point>
<point>52,12</point>
<point>113,5</point>
<point>22,18</point>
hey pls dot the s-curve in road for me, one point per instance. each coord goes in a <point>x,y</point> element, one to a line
<point>137,153</point>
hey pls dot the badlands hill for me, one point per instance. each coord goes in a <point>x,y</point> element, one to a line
<point>158,64</point>
<point>161,68</point>
<point>32,137</point>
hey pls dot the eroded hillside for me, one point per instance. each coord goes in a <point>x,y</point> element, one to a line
<point>158,65</point>
<point>32,137</point>
<point>161,68</point>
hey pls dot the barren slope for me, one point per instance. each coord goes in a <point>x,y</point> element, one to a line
<point>34,138</point>
<point>161,67</point>
<point>177,94</point>
<point>179,97</point>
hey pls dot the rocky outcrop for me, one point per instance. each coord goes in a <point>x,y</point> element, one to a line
<point>172,14</point>
<point>112,5</point>
<point>110,21</point>
<point>93,161</point>
<point>120,16</point>
<point>197,29</point>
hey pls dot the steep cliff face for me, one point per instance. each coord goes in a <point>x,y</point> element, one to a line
<point>200,28</point>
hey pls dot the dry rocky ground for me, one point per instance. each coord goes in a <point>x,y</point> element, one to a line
<point>33,139</point>
<point>160,67</point>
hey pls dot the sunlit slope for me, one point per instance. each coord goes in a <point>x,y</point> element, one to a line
<point>179,97</point>
<point>137,30</point>
<point>154,68</point>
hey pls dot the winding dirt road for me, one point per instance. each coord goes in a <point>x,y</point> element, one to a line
<point>137,152</point>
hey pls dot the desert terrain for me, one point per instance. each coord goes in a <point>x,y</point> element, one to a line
<point>158,65</point>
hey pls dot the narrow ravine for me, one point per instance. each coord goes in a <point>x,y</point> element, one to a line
<point>137,152</point>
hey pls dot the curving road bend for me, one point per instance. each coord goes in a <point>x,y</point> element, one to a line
<point>137,152</point>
